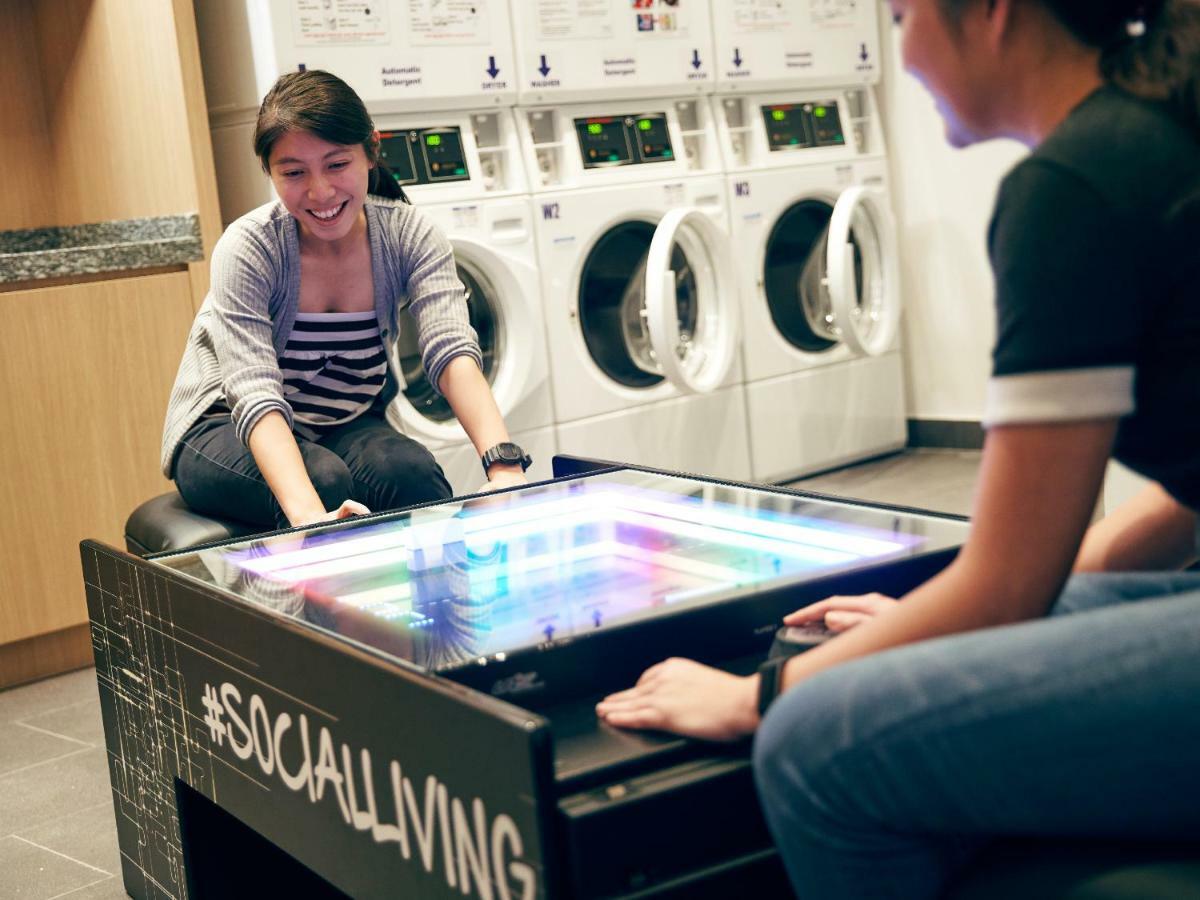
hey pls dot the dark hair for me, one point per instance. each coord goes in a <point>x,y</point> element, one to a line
<point>321,104</point>
<point>1148,48</point>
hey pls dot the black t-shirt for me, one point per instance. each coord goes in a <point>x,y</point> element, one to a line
<point>1095,247</point>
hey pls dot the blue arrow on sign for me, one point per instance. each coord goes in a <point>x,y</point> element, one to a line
<point>491,69</point>
<point>737,57</point>
<point>864,55</point>
<point>549,632</point>
<point>543,68</point>
<point>695,59</point>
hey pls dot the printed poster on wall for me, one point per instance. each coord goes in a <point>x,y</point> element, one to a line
<point>834,13</point>
<point>574,20</point>
<point>760,16</point>
<point>662,18</point>
<point>439,23</point>
<point>333,22</point>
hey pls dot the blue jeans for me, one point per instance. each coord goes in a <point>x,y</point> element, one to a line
<point>879,778</point>
<point>365,460</point>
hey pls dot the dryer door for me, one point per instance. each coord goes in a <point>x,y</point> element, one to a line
<point>424,413</point>
<point>863,271</point>
<point>689,252</point>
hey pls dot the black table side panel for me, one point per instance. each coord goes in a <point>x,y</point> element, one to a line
<point>176,662</point>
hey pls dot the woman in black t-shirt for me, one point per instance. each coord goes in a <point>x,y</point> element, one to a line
<point>1039,709</point>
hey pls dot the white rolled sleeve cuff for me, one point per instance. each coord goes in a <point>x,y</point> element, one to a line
<point>1071,395</point>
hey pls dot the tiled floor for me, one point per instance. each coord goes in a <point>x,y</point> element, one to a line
<point>58,836</point>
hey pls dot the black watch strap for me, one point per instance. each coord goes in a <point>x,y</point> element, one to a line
<point>770,682</point>
<point>507,453</point>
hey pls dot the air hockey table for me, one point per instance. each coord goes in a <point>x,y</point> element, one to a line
<point>401,704</point>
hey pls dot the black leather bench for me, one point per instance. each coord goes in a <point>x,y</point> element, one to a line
<point>166,523</point>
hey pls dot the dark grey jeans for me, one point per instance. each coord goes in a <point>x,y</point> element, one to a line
<point>365,460</point>
<point>880,777</point>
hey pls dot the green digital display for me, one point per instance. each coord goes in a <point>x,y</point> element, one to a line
<point>623,140</point>
<point>820,112</point>
<point>424,155</point>
<point>778,115</point>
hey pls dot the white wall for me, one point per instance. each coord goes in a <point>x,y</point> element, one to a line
<point>943,199</point>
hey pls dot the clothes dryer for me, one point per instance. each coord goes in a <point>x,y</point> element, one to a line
<point>641,306</point>
<point>816,246</point>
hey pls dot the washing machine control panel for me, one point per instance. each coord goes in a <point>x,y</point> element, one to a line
<point>606,141</point>
<point>424,155</point>
<point>796,126</point>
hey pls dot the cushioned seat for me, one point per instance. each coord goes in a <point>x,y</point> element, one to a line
<point>166,523</point>
<point>1082,870</point>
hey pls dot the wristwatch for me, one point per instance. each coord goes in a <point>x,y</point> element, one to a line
<point>770,681</point>
<point>508,453</point>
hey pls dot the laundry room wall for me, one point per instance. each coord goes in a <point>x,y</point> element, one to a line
<point>943,199</point>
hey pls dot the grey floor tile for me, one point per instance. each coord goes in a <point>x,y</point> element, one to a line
<point>88,835</point>
<point>21,747</point>
<point>80,722</point>
<point>108,889</point>
<point>35,873</point>
<point>940,480</point>
<point>48,791</point>
<point>51,693</point>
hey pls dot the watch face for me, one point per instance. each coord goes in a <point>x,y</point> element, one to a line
<point>509,453</point>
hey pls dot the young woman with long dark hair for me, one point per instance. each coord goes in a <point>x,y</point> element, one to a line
<point>1006,696</point>
<point>277,414</point>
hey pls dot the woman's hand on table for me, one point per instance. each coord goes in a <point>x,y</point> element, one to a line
<point>841,613</point>
<point>500,477</point>
<point>685,697</point>
<point>345,511</point>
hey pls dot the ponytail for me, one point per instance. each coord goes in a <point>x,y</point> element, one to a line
<point>383,183</point>
<point>1158,57</point>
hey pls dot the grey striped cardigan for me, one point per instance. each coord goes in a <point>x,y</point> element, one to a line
<point>243,325</point>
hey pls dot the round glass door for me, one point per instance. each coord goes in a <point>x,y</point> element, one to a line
<point>796,274</point>
<point>862,286</point>
<point>612,304</point>
<point>483,311</point>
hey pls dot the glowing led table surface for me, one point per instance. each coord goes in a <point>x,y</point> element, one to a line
<point>404,700</point>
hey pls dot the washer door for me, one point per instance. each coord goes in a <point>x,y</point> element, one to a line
<point>696,360</point>
<point>423,412</point>
<point>804,258</point>
<point>655,303</point>
<point>863,271</point>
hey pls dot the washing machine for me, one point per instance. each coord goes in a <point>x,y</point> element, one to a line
<point>815,241</point>
<point>642,318</point>
<point>464,172</point>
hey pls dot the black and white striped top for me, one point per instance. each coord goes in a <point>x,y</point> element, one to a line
<point>333,367</point>
<point>232,353</point>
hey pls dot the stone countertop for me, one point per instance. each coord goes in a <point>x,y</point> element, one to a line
<point>127,245</point>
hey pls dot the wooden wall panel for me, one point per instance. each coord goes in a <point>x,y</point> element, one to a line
<point>45,655</point>
<point>24,139</point>
<point>200,141</point>
<point>115,109</point>
<point>86,370</point>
